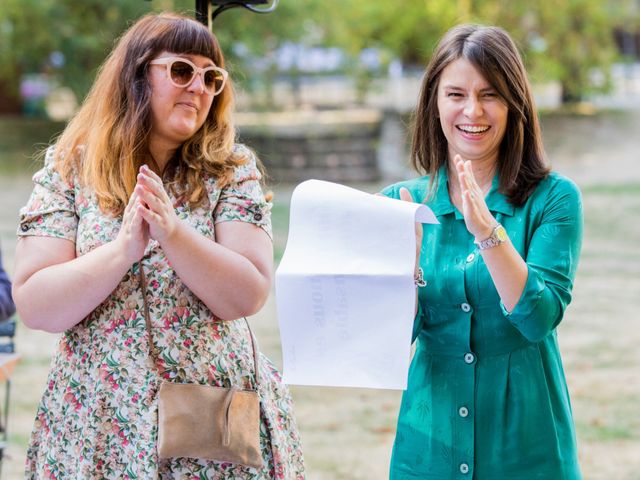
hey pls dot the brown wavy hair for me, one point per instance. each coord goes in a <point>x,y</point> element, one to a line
<point>107,140</point>
<point>521,161</point>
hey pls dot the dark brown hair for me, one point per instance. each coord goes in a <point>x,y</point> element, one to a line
<point>521,160</point>
<point>107,141</point>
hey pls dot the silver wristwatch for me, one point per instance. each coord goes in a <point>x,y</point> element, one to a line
<point>498,236</point>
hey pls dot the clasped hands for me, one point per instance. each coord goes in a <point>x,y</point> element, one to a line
<point>148,215</point>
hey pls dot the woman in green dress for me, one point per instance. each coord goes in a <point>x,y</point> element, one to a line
<point>487,396</point>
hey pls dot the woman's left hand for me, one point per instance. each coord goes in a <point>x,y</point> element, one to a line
<point>405,195</point>
<point>158,209</point>
<point>477,216</point>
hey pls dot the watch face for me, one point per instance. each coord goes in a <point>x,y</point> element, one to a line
<point>498,236</point>
<point>501,234</point>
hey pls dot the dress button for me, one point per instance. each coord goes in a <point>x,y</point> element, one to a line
<point>24,227</point>
<point>257,217</point>
<point>469,357</point>
<point>470,257</point>
<point>464,468</point>
<point>463,412</point>
<point>465,307</point>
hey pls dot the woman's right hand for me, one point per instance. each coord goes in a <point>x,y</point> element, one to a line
<point>134,231</point>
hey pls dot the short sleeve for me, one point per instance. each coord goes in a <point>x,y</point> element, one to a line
<point>243,199</point>
<point>50,211</point>
<point>391,191</point>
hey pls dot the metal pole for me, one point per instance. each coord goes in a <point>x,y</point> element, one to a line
<point>205,16</point>
<point>202,11</point>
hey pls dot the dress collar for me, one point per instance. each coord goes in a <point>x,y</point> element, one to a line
<point>441,203</point>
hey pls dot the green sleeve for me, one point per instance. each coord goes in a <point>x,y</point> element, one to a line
<point>552,259</point>
<point>392,191</point>
<point>418,322</point>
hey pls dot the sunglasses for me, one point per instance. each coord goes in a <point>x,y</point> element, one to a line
<point>182,72</point>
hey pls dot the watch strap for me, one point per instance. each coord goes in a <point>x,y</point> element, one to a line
<point>498,236</point>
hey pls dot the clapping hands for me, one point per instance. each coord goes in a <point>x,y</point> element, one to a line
<point>134,232</point>
<point>148,215</point>
<point>477,216</point>
<point>155,206</point>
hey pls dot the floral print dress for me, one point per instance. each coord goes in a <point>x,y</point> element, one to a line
<point>98,416</point>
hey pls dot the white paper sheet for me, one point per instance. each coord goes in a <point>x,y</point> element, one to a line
<point>344,288</point>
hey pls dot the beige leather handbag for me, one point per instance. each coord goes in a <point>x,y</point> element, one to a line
<point>202,421</point>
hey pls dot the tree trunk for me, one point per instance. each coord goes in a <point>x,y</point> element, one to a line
<point>10,102</point>
<point>569,95</point>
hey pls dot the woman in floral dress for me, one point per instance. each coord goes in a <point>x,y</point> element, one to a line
<point>147,176</point>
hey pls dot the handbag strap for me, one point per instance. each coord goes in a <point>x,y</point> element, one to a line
<point>152,348</point>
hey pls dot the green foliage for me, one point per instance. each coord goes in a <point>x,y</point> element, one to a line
<point>408,29</point>
<point>562,40</point>
<point>83,31</point>
<point>566,40</point>
<point>250,41</point>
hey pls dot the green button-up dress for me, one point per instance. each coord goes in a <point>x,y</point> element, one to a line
<point>487,397</point>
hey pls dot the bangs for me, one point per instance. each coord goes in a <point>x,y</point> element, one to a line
<point>186,36</point>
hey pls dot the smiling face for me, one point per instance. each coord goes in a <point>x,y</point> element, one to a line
<point>177,112</point>
<point>473,116</point>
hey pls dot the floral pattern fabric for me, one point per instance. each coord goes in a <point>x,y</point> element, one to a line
<point>98,414</point>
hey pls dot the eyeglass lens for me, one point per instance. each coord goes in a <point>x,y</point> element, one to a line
<point>182,73</point>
